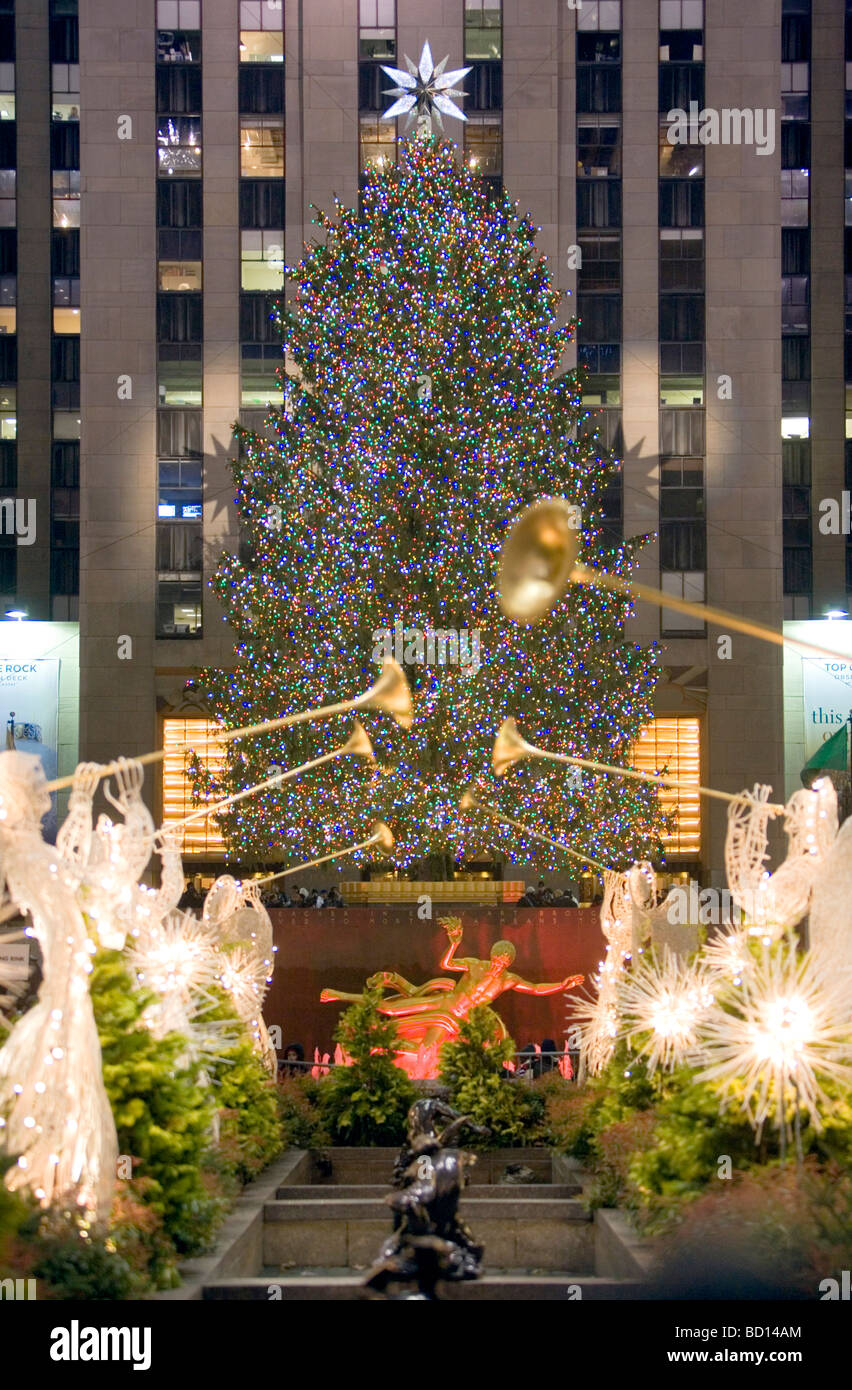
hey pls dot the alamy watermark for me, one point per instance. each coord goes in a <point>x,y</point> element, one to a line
<point>18,518</point>
<point>729,125</point>
<point>414,646</point>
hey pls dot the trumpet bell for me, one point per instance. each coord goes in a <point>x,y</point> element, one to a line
<point>383,836</point>
<point>509,748</point>
<point>392,694</point>
<point>468,800</point>
<point>538,559</point>
<point>358,742</point>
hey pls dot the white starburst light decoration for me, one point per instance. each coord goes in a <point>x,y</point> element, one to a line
<point>779,1036</point>
<point>727,954</point>
<point>424,92</point>
<point>662,1003</point>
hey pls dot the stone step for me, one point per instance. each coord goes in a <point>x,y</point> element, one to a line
<point>541,1233</point>
<point>513,1207</point>
<point>321,1192</point>
<point>511,1285</point>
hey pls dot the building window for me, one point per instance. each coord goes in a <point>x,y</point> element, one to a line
<point>599,14</point>
<point>179,204</point>
<point>598,203</point>
<point>262,148</point>
<point>179,146</point>
<point>795,186</point>
<point>483,31</point>
<point>178,89</point>
<point>377,141</point>
<point>600,267</point>
<point>262,31</point>
<point>262,259</point>
<point>261,90</point>
<point>180,495</point>
<point>178,433</point>
<point>179,374</point>
<point>673,747</point>
<point>483,145</point>
<point>179,318</point>
<point>259,319</point>
<point>598,147</point>
<point>262,365</point>
<point>261,203</point>
<point>178,276</point>
<point>8,214</point>
<point>66,92</point>
<point>179,579</point>
<point>377,30</point>
<point>201,837</point>
<point>179,14</point>
<point>7,91</point>
<point>682,432</point>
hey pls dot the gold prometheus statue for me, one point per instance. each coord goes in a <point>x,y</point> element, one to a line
<point>431,1014</point>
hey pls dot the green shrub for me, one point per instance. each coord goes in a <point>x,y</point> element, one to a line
<point>249,1124</point>
<point>471,1066</point>
<point>162,1115</point>
<point>368,1102</point>
<point>300,1113</point>
<point>78,1264</point>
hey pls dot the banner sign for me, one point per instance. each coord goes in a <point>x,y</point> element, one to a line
<point>29,704</point>
<point>828,699</point>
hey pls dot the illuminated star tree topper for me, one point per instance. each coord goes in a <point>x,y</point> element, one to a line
<point>424,92</point>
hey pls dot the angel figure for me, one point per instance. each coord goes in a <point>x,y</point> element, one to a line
<point>58,1121</point>
<point>778,901</point>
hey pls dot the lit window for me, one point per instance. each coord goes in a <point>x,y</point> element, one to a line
<point>261,46</point>
<point>262,259</point>
<point>8,320</point>
<point>66,197</point>
<point>66,92</point>
<point>262,148</point>
<point>66,424</point>
<point>202,837</point>
<point>483,145</point>
<point>8,412</point>
<point>66,320</point>
<point>179,145</point>
<point>377,142</point>
<point>179,275</point>
<point>261,14</point>
<point>673,747</point>
<point>7,91</point>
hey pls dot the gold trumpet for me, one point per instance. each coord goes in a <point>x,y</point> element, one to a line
<point>381,835</point>
<point>390,693</point>
<point>510,747</point>
<point>539,561</point>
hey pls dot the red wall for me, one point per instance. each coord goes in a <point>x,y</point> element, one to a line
<point>339,948</point>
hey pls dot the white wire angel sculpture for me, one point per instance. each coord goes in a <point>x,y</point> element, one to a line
<point>775,902</point>
<point>57,1122</point>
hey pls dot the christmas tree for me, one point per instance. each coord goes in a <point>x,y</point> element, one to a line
<point>426,406</point>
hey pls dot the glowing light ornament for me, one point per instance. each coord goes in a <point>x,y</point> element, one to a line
<point>774,902</point>
<point>662,1002</point>
<point>58,1121</point>
<point>178,960</point>
<point>424,92</point>
<point>779,1036</point>
<point>727,954</point>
